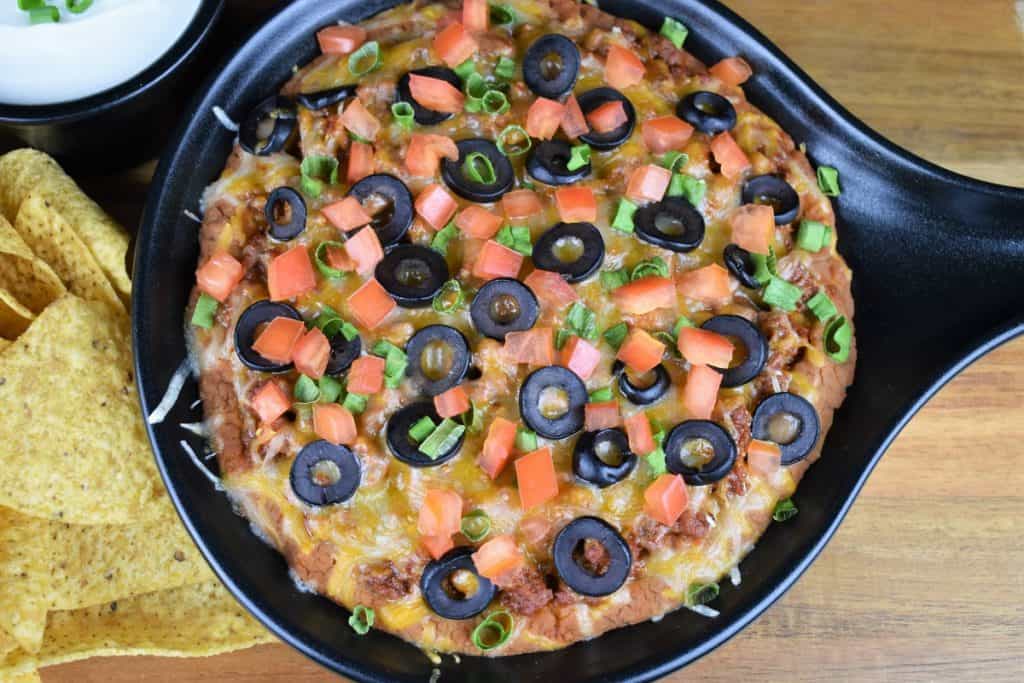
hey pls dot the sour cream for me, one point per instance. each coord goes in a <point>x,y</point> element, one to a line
<point>85,53</point>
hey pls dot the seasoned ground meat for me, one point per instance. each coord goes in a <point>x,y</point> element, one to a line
<point>525,591</point>
<point>219,398</point>
<point>595,557</point>
<point>384,581</point>
<point>314,567</point>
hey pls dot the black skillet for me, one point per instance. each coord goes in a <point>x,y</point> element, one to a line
<point>938,262</point>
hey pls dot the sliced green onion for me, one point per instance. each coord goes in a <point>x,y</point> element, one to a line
<point>623,220</point>
<point>688,187</point>
<point>764,266</point>
<point>784,510</point>
<point>505,68</point>
<point>668,340</point>
<point>422,428</point>
<point>320,258</point>
<point>444,436</point>
<point>478,168</point>
<point>475,88</point>
<point>828,181</point>
<point>329,322</point>
<point>395,363</point>
<point>476,525</point>
<point>473,419</point>
<point>354,403</point>
<point>674,31</point>
<point>502,15</point>
<point>466,68</point>
<point>30,4</point>
<point>674,159</point>
<point>77,6</point>
<point>495,102</point>
<point>404,114</point>
<point>782,294</point>
<point>47,14</point>
<point>616,334</point>
<point>330,389</point>
<point>813,235</point>
<point>821,306</point>
<point>701,593</point>
<point>838,337</point>
<point>613,279</point>
<point>317,170</point>
<point>601,395</point>
<point>449,297</point>
<point>653,266</point>
<point>513,141</point>
<point>656,461</point>
<point>365,59</point>
<point>361,620</point>
<point>206,308</point>
<point>680,324</point>
<point>526,440</point>
<point>561,336</point>
<point>491,633</point>
<point>349,330</point>
<point>306,390</point>
<point>582,321</point>
<point>515,237</point>
<point>579,156</point>
<point>443,237</point>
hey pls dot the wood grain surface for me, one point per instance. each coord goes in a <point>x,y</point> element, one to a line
<point>925,579</point>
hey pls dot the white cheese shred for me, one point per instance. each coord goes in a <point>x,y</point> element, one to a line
<point>704,611</point>
<point>171,395</point>
<point>435,675</point>
<point>193,216</point>
<point>224,119</point>
<point>195,404</point>
<point>199,463</point>
<point>197,428</point>
<point>734,576</point>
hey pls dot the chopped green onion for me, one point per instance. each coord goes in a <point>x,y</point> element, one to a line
<point>656,458</point>
<point>672,160</point>
<point>813,235</point>
<point>613,279</point>
<point>701,593</point>
<point>667,339</point>
<point>365,59</point>
<point>47,14</point>
<point>395,363</point>
<point>317,170</point>
<point>623,220</point>
<point>330,323</point>
<point>674,31</point>
<point>354,403</point>
<point>30,4</point>
<point>561,336</point>
<point>649,267</point>
<point>442,439</point>
<point>764,266</point>
<point>361,620</point>
<point>838,336</point>
<point>526,440</point>
<point>821,306</point>
<point>443,237</point>
<point>77,6</point>
<point>475,88</point>
<point>206,308</point>
<point>404,114</point>
<point>581,321</point>
<point>784,510</point>
<point>473,419</point>
<point>466,68</point>
<point>478,168</point>
<point>579,156</point>
<point>319,257</point>
<point>680,324</point>
<point>349,330</point>
<point>449,297</point>
<point>515,237</point>
<point>306,390</point>
<point>491,633</point>
<point>421,429</point>
<point>475,525</point>
<point>782,294</point>
<point>688,187</point>
<point>330,389</point>
<point>495,102</point>
<point>828,181</point>
<point>512,146</point>
<point>616,334</point>
<point>601,395</point>
<point>505,68</point>
<point>502,15</point>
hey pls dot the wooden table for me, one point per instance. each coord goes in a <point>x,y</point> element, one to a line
<point>925,580</point>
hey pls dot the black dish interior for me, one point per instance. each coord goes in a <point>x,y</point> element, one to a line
<point>905,226</point>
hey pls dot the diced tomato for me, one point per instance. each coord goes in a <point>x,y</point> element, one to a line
<point>423,157</point>
<point>290,274</point>
<point>220,275</point>
<point>622,68</point>
<point>340,40</point>
<point>311,353</point>
<point>453,402</point>
<point>440,513</point>
<point>732,71</point>
<point>436,206</point>
<point>519,204</point>
<point>437,546</point>
<point>436,94</point>
<point>338,259</point>
<point>574,123</point>
<point>370,304</point>
<point>638,429</point>
<point>603,415</point>
<point>334,423</point>
<point>640,351</point>
<point>476,15</point>
<point>497,448</point>
<point>278,339</point>
<point>543,118</point>
<point>497,557</point>
<point>666,498</point>
<point>645,295</point>
<point>366,376</point>
<point>454,45</point>
<point>497,260</point>
<point>709,285</point>
<point>358,119</point>
<point>704,347</point>
<point>576,204</point>
<point>729,156</point>
<point>701,391</point>
<point>665,133</point>
<point>346,215</point>
<point>360,161</point>
<point>607,117</point>
<point>536,478</point>
<point>753,227</point>
<point>648,183</point>
<point>478,222</point>
<point>270,402</point>
<point>580,356</point>
<point>551,288</point>
<point>764,457</point>
<point>535,347</point>
<point>365,250</point>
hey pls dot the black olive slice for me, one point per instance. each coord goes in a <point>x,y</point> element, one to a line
<point>575,250</point>
<point>551,65</point>
<point>568,550</point>
<point>455,178</point>
<point>791,422</point>
<point>755,347</point>
<point>404,448</point>
<point>324,473</point>
<point>671,224</point>
<point>738,261</point>
<point>412,274</point>
<point>503,305</point>
<point>439,585</point>
<point>548,163</point>
<point>591,100</point>
<point>642,395</point>
<point>248,327</point>
<point>590,457</point>
<point>280,199</point>
<point>708,112</point>
<point>712,436</point>
<point>343,352</point>
<point>325,98</point>
<point>389,201</point>
<point>277,110</point>
<point>776,193</point>
<point>422,115</point>
<point>438,358</point>
<point>553,385</point>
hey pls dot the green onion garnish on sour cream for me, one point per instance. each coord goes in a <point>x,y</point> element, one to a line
<point>41,13</point>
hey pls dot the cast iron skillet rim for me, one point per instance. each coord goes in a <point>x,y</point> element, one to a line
<point>770,588</point>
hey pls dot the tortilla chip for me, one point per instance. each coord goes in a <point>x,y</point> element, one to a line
<point>30,676</point>
<point>29,279</point>
<point>53,239</point>
<point>23,581</point>
<point>25,170</point>
<point>14,318</point>
<point>72,444</point>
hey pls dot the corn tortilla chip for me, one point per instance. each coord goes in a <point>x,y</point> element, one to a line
<point>14,318</point>
<point>29,279</point>
<point>53,239</point>
<point>25,170</point>
<point>30,676</point>
<point>72,443</point>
